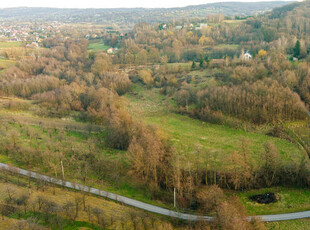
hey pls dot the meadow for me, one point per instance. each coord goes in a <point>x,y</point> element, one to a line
<point>5,64</point>
<point>98,46</point>
<point>194,139</point>
<point>301,131</point>
<point>289,200</point>
<point>229,46</point>
<point>289,225</point>
<point>233,23</point>
<point>10,44</point>
<point>198,139</point>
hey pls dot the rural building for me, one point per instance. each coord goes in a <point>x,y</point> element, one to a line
<point>245,56</point>
<point>33,45</point>
<point>201,26</point>
<point>110,50</point>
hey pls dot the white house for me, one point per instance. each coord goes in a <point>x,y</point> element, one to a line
<point>110,50</point>
<point>201,26</point>
<point>245,56</point>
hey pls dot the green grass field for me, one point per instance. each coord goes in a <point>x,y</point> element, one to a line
<point>303,224</point>
<point>9,44</point>
<point>98,46</point>
<point>301,130</point>
<point>233,23</point>
<point>228,46</point>
<point>5,64</point>
<point>186,66</point>
<point>289,200</point>
<point>190,135</point>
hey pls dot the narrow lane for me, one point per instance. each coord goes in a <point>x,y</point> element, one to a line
<point>139,204</point>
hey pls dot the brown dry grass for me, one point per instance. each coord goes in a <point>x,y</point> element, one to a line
<point>121,214</point>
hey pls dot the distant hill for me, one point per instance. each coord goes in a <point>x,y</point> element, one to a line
<point>292,19</point>
<point>131,16</point>
<point>237,8</point>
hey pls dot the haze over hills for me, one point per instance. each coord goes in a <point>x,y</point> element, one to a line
<point>136,15</point>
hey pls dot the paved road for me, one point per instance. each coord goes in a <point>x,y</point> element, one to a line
<point>139,204</point>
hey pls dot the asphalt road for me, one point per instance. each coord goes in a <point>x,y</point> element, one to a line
<point>142,205</point>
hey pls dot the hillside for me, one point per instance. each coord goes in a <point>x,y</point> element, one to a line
<point>34,205</point>
<point>283,23</point>
<point>205,114</point>
<point>132,16</point>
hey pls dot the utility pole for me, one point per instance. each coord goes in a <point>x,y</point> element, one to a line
<point>174,199</point>
<point>62,170</point>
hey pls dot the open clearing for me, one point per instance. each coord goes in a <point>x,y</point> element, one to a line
<point>301,131</point>
<point>9,44</point>
<point>228,46</point>
<point>5,64</point>
<point>49,123</point>
<point>289,200</point>
<point>290,225</point>
<point>98,46</point>
<point>190,136</point>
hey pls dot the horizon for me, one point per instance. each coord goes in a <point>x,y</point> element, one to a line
<point>117,4</point>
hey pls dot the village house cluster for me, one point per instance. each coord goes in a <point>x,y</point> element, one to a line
<point>28,31</point>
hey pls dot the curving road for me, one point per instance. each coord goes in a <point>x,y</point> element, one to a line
<point>139,204</point>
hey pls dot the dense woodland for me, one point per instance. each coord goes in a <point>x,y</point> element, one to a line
<point>66,79</point>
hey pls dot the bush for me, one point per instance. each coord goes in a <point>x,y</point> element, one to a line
<point>210,198</point>
<point>119,127</point>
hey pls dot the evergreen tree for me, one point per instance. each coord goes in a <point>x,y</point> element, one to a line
<point>201,62</point>
<point>297,49</point>
<point>207,59</point>
<point>194,65</point>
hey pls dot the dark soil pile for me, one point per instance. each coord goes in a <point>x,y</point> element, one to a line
<point>266,198</point>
